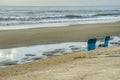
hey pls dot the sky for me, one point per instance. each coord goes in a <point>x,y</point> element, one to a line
<point>58,2</point>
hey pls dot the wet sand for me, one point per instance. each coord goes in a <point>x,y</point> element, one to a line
<point>103,63</point>
<point>104,66</point>
<point>83,32</point>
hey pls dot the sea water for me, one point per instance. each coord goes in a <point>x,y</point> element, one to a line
<point>24,17</point>
<point>31,53</point>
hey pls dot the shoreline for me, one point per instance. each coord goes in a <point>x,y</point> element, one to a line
<point>55,25</point>
<point>101,59</point>
<point>73,33</point>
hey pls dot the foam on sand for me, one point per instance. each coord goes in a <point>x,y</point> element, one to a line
<point>26,54</point>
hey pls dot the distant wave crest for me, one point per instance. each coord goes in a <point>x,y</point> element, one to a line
<point>107,14</point>
<point>43,15</point>
<point>74,16</point>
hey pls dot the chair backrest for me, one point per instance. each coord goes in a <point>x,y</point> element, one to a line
<point>91,44</point>
<point>106,41</point>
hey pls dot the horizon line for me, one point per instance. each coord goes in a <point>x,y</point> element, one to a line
<point>56,5</point>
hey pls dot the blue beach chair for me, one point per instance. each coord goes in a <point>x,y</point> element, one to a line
<point>91,44</point>
<point>106,41</point>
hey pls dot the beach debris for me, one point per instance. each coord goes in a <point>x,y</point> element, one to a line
<point>9,62</point>
<point>62,50</point>
<point>49,53</point>
<point>30,59</point>
<point>25,58</point>
<point>75,48</point>
<point>38,58</point>
<point>30,55</point>
<point>71,46</point>
<point>56,52</point>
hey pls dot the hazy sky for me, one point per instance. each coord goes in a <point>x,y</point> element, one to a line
<point>59,2</point>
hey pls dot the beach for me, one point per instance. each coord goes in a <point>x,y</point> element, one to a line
<point>50,42</point>
<point>102,63</point>
<point>73,33</point>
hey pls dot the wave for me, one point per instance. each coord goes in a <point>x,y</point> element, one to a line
<point>107,14</point>
<point>74,16</point>
<point>34,18</point>
<point>67,16</point>
<point>91,15</point>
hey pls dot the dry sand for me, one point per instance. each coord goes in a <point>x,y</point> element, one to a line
<point>37,36</point>
<point>104,63</point>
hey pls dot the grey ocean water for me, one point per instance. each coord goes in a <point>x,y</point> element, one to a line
<point>22,17</point>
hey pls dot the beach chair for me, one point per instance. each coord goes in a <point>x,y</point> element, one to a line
<point>91,44</point>
<point>106,41</point>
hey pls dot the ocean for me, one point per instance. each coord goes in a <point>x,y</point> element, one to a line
<point>24,17</point>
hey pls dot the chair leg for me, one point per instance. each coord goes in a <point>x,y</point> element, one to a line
<point>96,53</point>
<point>81,55</point>
<point>87,55</point>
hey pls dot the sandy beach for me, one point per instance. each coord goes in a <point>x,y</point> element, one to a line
<point>100,64</point>
<point>14,38</point>
<point>103,63</point>
<point>49,40</point>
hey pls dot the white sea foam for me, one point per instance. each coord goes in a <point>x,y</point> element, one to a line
<point>63,23</point>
